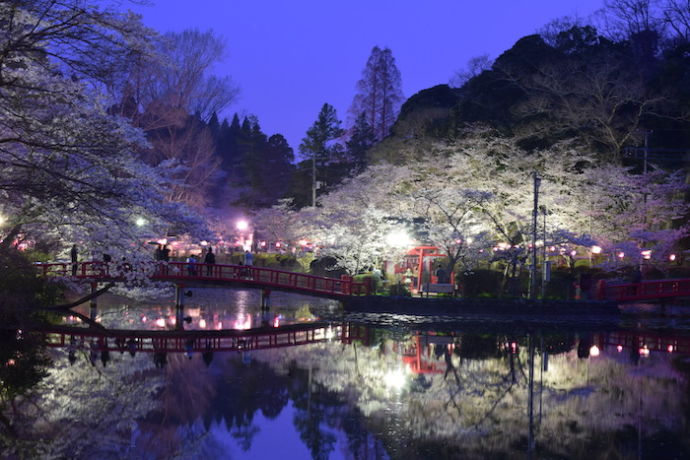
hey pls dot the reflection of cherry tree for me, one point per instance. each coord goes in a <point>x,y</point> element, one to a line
<point>479,402</point>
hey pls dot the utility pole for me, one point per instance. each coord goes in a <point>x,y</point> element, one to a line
<point>646,148</point>
<point>535,214</point>
<point>544,264</point>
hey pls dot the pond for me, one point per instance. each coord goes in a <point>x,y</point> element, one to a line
<point>317,383</point>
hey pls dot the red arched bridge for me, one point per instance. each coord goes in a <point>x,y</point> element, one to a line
<point>198,340</point>
<point>650,291</point>
<point>183,273</point>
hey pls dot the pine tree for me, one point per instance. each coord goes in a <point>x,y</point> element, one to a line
<point>361,139</point>
<point>379,92</point>
<point>321,144</point>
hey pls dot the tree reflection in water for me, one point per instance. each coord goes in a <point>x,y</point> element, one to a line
<point>453,395</point>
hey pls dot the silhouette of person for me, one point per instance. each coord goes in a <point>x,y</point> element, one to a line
<point>74,256</point>
<point>209,260</point>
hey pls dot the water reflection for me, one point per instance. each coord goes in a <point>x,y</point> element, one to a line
<point>350,390</point>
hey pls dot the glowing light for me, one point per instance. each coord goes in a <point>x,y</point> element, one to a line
<point>594,351</point>
<point>262,244</point>
<point>621,255</point>
<point>672,257</point>
<point>3,219</point>
<point>163,241</point>
<point>395,379</point>
<point>670,348</point>
<point>278,244</point>
<point>140,222</point>
<point>644,351</point>
<point>619,348</point>
<point>513,347</point>
<point>398,239</point>
<point>303,242</point>
<point>202,323</point>
<point>552,248</point>
<point>276,321</point>
<point>646,254</point>
<point>204,243</point>
<point>219,325</point>
<point>329,333</point>
<point>144,319</point>
<point>160,322</point>
<point>243,322</point>
<point>469,240</point>
<point>11,362</point>
<point>242,225</point>
<point>596,249</point>
<point>573,253</point>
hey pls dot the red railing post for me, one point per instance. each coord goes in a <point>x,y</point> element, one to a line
<point>601,290</point>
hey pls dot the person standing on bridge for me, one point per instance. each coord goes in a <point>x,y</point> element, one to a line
<point>74,256</point>
<point>248,258</point>
<point>191,265</point>
<point>210,261</point>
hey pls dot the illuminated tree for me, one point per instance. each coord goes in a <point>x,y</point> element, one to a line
<point>70,165</point>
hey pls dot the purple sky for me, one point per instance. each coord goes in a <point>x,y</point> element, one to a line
<point>289,57</point>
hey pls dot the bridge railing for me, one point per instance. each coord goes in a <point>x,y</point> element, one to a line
<point>646,290</point>
<point>177,271</point>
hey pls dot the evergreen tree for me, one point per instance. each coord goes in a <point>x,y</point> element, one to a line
<point>361,139</point>
<point>321,144</point>
<point>379,92</point>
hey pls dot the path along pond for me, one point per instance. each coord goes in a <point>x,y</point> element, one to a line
<point>349,386</point>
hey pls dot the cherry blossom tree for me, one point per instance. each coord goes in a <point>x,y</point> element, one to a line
<point>67,164</point>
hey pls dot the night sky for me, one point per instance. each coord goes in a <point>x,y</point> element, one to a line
<point>288,58</point>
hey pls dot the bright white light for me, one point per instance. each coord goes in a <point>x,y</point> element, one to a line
<point>670,348</point>
<point>619,348</point>
<point>398,239</point>
<point>594,351</point>
<point>163,241</point>
<point>329,333</point>
<point>395,379</point>
<point>204,243</point>
<point>672,257</point>
<point>303,242</point>
<point>596,249</point>
<point>202,323</point>
<point>644,351</point>
<point>573,253</point>
<point>140,222</point>
<point>646,254</point>
<point>160,322</point>
<point>621,255</point>
<point>242,225</point>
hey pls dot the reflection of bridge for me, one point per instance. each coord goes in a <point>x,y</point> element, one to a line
<point>644,342</point>
<point>198,341</point>
<point>644,291</point>
<point>183,273</point>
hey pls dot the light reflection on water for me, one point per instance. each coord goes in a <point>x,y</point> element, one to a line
<point>397,388</point>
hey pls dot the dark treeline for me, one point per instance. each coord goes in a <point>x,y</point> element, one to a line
<point>257,170</point>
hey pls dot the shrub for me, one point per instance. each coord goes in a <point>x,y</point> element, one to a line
<point>399,290</point>
<point>480,283</point>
